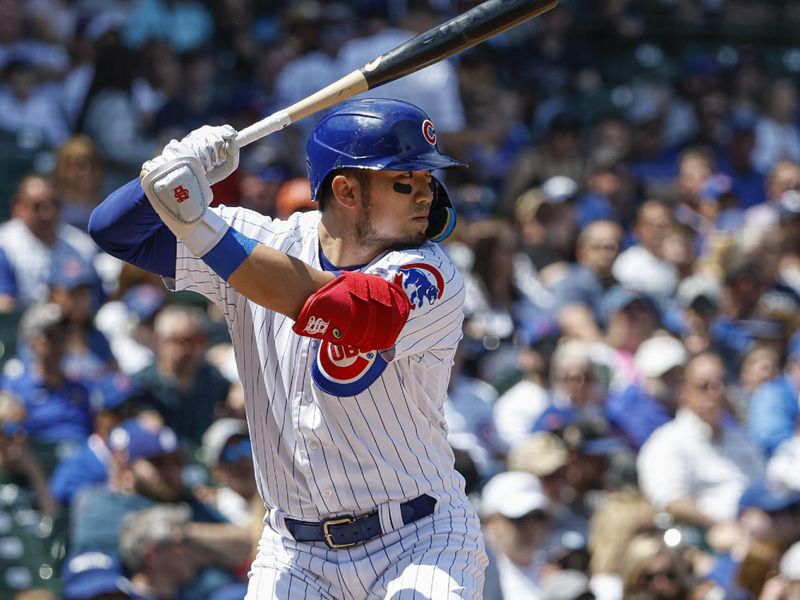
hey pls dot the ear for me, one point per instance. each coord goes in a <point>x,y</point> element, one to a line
<point>120,474</point>
<point>346,190</point>
<point>219,474</point>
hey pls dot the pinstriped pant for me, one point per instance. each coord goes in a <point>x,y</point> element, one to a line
<point>440,557</point>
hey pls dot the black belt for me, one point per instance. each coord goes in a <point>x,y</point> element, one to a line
<point>346,531</point>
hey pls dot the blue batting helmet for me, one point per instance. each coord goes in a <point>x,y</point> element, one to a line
<point>380,134</point>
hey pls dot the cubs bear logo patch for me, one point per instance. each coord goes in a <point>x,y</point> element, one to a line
<point>422,283</point>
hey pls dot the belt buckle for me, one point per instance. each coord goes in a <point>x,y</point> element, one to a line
<point>328,536</point>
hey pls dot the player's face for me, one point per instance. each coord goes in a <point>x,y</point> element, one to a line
<point>395,208</point>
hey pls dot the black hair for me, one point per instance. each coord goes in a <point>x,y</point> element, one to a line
<point>325,192</point>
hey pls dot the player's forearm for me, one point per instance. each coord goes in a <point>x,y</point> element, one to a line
<point>279,282</point>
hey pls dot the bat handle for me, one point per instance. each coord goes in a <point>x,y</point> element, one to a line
<point>264,127</point>
<point>341,89</point>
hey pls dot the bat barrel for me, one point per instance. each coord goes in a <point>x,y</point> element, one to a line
<point>459,33</point>
<point>486,20</point>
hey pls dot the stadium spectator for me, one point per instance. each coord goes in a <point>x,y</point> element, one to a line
<point>783,177</point>
<point>768,516</point>
<point>642,267</point>
<point>75,288</point>
<point>35,235</point>
<point>577,390</point>
<point>630,318</point>
<point>113,400</point>
<point>696,466</point>
<point>545,217</point>
<point>128,324</point>
<point>109,115</point>
<point>777,136</point>
<point>644,406</point>
<point>228,454</point>
<point>546,456</point>
<point>145,470</point>
<point>186,24</point>
<point>154,548</point>
<point>25,106</point>
<point>94,576</point>
<point>184,387</point>
<point>557,154</point>
<point>773,414</point>
<point>519,407</point>
<point>579,294</point>
<point>655,570</point>
<point>57,409</point>
<point>516,522</point>
<point>468,411</point>
<point>77,177</point>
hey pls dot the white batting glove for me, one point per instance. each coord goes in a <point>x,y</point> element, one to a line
<point>214,147</point>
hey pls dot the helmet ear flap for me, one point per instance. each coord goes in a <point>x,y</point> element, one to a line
<point>442,217</point>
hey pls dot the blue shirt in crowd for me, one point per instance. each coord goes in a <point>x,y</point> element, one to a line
<point>52,415</point>
<point>636,414</point>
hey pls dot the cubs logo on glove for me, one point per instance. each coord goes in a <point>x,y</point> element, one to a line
<point>355,309</point>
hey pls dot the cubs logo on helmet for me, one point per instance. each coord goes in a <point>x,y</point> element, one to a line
<point>423,283</point>
<point>344,371</point>
<point>428,132</point>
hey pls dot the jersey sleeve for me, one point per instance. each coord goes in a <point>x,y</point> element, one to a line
<point>435,289</point>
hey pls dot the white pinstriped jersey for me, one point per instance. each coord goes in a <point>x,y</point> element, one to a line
<point>336,431</point>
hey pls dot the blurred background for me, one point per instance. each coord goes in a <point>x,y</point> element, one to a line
<point>624,405</point>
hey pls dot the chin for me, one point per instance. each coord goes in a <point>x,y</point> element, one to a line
<point>411,241</point>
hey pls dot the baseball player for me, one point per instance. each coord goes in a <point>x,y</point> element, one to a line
<point>344,322</point>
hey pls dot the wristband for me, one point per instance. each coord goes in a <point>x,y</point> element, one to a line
<point>229,253</point>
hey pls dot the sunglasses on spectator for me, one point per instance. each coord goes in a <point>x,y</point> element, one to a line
<point>236,451</point>
<point>709,385</point>
<point>607,246</point>
<point>668,574</point>
<point>534,515</point>
<point>579,378</point>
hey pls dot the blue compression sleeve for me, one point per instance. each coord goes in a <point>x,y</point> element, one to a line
<point>126,226</point>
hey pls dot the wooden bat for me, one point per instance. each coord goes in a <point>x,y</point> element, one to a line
<point>481,22</point>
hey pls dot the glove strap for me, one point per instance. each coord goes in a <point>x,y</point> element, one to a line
<point>206,235</point>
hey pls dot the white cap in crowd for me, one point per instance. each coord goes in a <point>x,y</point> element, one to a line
<point>659,354</point>
<point>790,563</point>
<point>513,494</point>
<point>217,435</point>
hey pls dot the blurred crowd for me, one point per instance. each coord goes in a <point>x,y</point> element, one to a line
<point>624,404</point>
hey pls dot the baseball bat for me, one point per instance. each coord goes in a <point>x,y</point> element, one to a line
<point>481,22</point>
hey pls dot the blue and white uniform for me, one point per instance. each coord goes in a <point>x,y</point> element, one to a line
<point>350,447</point>
<point>340,432</point>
